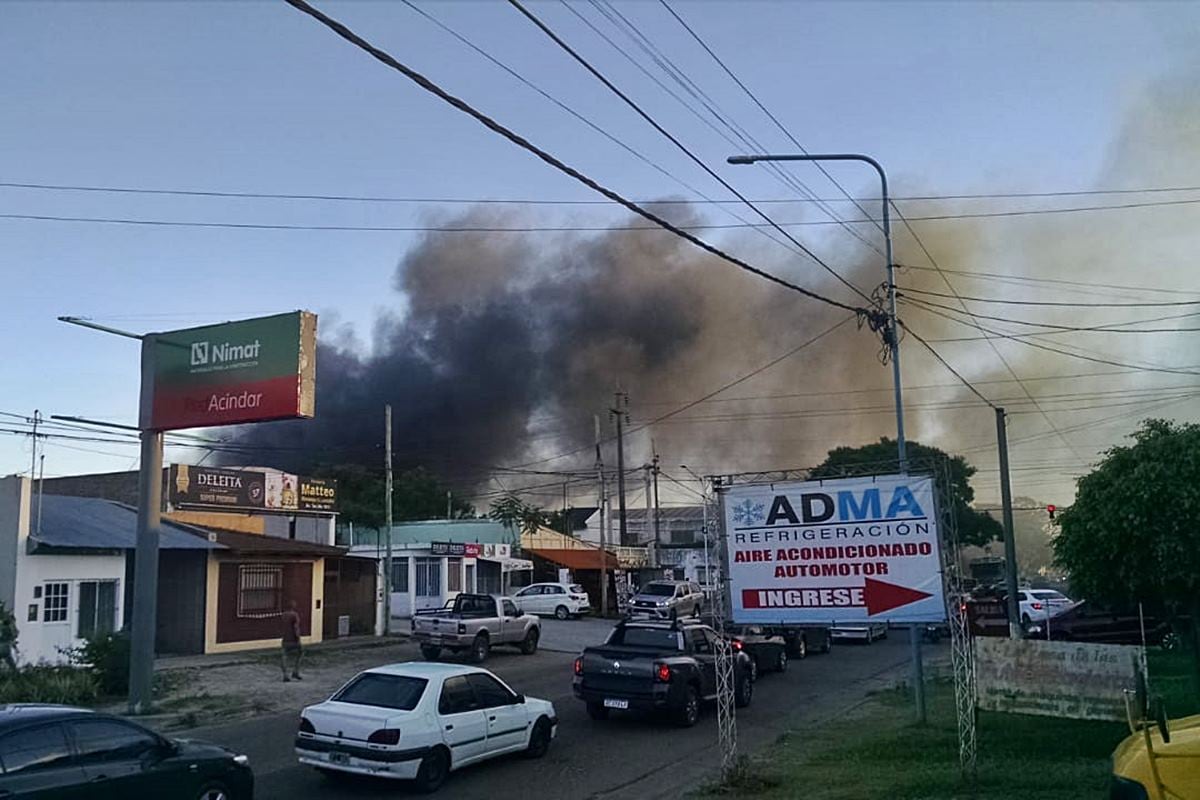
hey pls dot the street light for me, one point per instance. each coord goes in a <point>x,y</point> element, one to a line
<point>704,511</point>
<point>893,336</point>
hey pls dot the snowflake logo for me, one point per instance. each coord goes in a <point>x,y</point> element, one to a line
<point>748,512</point>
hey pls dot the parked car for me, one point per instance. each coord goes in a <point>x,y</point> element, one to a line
<point>802,639</point>
<point>475,623</point>
<point>56,751</point>
<point>421,721</point>
<point>987,615</point>
<point>1038,604</point>
<point>1088,622</point>
<point>768,652</point>
<point>651,665</point>
<point>563,600</point>
<point>860,631</point>
<point>668,600</point>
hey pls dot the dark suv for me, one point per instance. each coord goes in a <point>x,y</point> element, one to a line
<point>60,753</point>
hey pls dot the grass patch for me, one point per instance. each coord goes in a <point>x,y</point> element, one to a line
<point>877,753</point>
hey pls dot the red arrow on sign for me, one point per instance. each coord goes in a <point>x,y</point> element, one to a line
<point>881,596</point>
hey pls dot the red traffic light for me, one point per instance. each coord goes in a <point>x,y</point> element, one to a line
<point>1050,509</point>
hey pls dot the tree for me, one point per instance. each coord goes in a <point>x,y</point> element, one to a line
<point>974,527</point>
<point>1133,533</point>
<point>516,514</point>
<point>416,494</point>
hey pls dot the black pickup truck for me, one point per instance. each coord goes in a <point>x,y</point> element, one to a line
<point>658,666</point>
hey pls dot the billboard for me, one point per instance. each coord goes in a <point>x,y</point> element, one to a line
<point>248,371</point>
<point>839,550</point>
<point>468,549</point>
<point>249,490</point>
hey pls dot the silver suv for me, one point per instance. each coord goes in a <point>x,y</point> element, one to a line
<point>668,599</point>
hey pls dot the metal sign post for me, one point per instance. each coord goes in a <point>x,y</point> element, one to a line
<point>145,560</point>
<point>726,707</point>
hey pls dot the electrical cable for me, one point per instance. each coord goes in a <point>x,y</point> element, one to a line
<point>1052,303</point>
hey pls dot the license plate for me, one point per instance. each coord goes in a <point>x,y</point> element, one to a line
<point>611,703</point>
<point>339,758</point>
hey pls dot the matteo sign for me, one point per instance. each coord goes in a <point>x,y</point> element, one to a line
<point>840,550</point>
<point>248,371</point>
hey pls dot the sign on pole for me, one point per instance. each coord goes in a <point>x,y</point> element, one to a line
<point>839,550</point>
<point>253,370</point>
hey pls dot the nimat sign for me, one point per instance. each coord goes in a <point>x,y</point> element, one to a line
<point>840,550</point>
<point>1054,679</point>
<point>248,371</point>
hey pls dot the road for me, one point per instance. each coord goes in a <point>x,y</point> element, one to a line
<point>624,756</point>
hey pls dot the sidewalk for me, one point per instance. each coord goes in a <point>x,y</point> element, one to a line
<point>164,663</point>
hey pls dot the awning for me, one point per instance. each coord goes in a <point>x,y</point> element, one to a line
<point>577,558</point>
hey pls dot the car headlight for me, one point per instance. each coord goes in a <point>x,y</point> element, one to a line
<point>241,760</point>
<point>661,603</point>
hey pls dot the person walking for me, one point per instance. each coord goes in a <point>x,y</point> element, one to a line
<point>291,650</point>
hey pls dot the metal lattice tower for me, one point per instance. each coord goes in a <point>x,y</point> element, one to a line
<point>962,650</point>
<point>726,708</point>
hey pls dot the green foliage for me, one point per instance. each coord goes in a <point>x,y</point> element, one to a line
<point>107,659</point>
<point>41,684</point>
<point>416,494</point>
<point>8,636</point>
<point>974,527</point>
<point>517,514</point>
<point>1132,534</point>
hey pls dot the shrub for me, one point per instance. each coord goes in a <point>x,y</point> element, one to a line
<point>43,684</point>
<point>107,658</point>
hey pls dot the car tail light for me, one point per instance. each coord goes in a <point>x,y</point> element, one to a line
<point>663,673</point>
<point>1036,606</point>
<point>737,644</point>
<point>462,628</point>
<point>385,736</point>
<point>306,726</point>
<point>579,666</point>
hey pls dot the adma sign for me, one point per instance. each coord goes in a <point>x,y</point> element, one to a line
<point>842,550</point>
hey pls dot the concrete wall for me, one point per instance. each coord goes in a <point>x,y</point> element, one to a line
<point>211,645</point>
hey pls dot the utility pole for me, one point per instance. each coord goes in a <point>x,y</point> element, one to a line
<point>604,520</point>
<point>1010,550</point>
<point>621,411</point>
<point>41,491</point>
<point>646,469</point>
<point>449,504</point>
<point>566,525</point>
<point>37,417</point>
<point>387,500</point>
<point>657,526</point>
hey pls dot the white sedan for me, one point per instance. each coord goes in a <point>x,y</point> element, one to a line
<point>563,600</point>
<point>419,721</point>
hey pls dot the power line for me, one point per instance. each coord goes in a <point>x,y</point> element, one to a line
<point>1054,303</point>
<point>1060,281</point>
<point>1113,327</point>
<point>680,145</point>
<point>353,198</point>
<point>875,317</point>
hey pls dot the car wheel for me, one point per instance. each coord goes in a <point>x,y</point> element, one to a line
<point>213,791</point>
<point>430,652</point>
<point>753,668</point>
<point>781,661</point>
<point>539,739</point>
<point>688,714</point>
<point>433,771</point>
<point>562,612</point>
<point>597,711</point>
<point>530,642</point>
<point>801,648</point>
<point>744,693</point>
<point>480,649</point>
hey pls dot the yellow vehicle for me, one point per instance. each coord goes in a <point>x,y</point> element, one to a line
<point>1160,760</point>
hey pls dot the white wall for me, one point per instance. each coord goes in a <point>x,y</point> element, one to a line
<point>14,518</point>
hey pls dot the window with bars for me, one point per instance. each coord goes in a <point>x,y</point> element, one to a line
<point>454,575</point>
<point>55,601</point>
<point>429,577</point>
<point>400,575</point>
<point>260,591</point>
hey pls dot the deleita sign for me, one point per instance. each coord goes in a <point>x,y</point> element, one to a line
<point>843,550</point>
<point>248,371</point>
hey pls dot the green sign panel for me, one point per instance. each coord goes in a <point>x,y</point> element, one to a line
<point>237,372</point>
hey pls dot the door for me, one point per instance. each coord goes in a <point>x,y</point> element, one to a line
<point>532,600</point>
<point>507,720</point>
<point>123,760</point>
<point>556,596</point>
<point>429,583</point>
<point>464,727</point>
<point>512,629</point>
<point>97,609</point>
<point>37,763</point>
<point>705,653</point>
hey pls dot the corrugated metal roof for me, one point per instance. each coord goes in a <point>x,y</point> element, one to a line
<point>90,523</point>
<point>575,559</point>
<point>257,543</point>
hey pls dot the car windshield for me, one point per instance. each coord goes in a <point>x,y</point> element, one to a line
<point>400,692</point>
<point>577,589</point>
<point>659,589</point>
<point>658,638</point>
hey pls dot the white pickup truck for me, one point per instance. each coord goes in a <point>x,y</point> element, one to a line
<point>475,623</point>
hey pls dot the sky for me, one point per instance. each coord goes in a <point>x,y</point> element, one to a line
<point>255,97</point>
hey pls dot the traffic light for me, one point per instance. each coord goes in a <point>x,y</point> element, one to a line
<point>1050,509</point>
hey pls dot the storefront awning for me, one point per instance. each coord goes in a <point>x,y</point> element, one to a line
<point>577,558</point>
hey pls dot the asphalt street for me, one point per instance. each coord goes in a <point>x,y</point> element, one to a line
<point>626,756</point>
